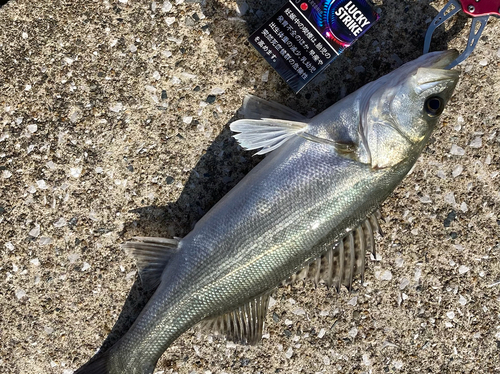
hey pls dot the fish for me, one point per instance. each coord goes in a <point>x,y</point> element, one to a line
<point>310,204</point>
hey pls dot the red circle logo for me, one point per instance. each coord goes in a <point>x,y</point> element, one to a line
<point>304,6</point>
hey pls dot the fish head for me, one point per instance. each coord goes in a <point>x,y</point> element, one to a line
<point>400,110</point>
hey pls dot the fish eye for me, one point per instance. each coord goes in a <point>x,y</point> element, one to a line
<point>434,106</point>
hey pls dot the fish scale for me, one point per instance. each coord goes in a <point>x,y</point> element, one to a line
<point>309,201</point>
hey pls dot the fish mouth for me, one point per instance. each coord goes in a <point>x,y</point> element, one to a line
<point>440,60</point>
<point>434,73</point>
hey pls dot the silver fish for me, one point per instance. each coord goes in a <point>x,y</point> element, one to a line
<point>312,197</point>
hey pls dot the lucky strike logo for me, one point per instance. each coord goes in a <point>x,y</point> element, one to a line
<point>343,21</point>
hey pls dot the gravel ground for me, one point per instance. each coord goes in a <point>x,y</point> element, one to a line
<point>114,122</point>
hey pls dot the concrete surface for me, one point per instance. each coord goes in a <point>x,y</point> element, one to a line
<point>106,133</point>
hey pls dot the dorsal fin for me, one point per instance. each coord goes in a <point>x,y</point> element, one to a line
<point>256,108</point>
<point>346,259</point>
<point>151,255</point>
<point>243,325</point>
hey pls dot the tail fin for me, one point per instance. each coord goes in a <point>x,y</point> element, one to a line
<point>95,366</point>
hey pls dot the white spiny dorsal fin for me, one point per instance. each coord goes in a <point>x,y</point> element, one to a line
<point>243,325</point>
<point>257,108</point>
<point>266,134</point>
<point>346,259</point>
<point>151,255</point>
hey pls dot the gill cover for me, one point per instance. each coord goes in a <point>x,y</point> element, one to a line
<point>401,109</point>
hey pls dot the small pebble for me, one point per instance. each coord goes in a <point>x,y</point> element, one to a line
<point>483,62</point>
<point>44,240</point>
<point>462,300</point>
<point>321,333</point>
<point>60,222</point>
<point>34,232</point>
<point>75,172</point>
<point>359,69</point>
<point>449,198</point>
<point>41,184</point>
<point>265,76</point>
<point>450,314</point>
<point>476,143</point>
<point>366,360</point>
<point>156,75</point>
<point>6,174</point>
<point>463,269</point>
<point>167,6</point>
<point>457,171</point>
<point>425,199</point>
<point>85,266</point>
<point>398,364</point>
<point>32,128</point>
<point>132,48</point>
<point>170,21</point>
<point>386,275</point>
<point>456,150</point>
<point>289,353</point>
<point>130,275</point>
<point>404,283</point>
<point>35,262</point>
<point>187,120</point>
<point>353,332</point>
<point>20,293</point>
<point>241,8</point>
<point>298,311</point>
<point>353,301</point>
<point>117,107</point>
<point>463,207</point>
<point>418,274</point>
<point>272,302</point>
<point>217,91</point>
<point>73,257</point>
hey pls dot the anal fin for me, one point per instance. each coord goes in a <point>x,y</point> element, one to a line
<point>151,255</point>
<point>243,325</point>
<point>345,259</point>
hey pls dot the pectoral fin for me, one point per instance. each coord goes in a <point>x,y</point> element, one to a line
<point>243,325</point>
<point>268,125</point>
<point>266,134</point>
